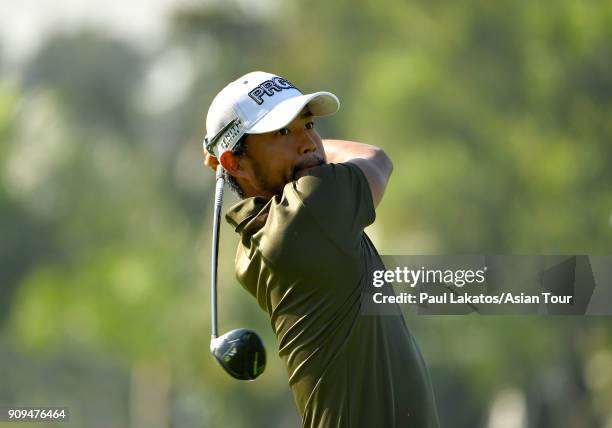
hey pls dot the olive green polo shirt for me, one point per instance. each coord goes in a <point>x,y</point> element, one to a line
<point>305,257</point>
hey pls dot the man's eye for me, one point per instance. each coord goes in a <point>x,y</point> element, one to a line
<point>309,125</point>
<point>283,131</point>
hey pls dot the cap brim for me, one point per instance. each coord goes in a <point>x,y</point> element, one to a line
<point>319,103</point>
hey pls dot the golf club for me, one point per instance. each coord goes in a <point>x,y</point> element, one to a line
<point>240,352</point>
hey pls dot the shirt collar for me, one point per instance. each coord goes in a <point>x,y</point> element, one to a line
<point>244,211</point>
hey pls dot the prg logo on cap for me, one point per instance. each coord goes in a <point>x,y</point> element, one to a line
<point>269,88</point>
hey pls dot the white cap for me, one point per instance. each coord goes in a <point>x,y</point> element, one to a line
<point>257,103</point>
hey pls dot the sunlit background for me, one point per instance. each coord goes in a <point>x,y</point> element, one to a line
<point>497,115</point>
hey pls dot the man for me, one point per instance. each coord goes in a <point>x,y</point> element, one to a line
<point>304,256</point>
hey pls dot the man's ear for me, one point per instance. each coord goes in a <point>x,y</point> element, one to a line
<point>232,164</point>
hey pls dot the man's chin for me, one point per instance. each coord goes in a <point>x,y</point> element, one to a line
<point>300,173</point>
<point>304,171</point>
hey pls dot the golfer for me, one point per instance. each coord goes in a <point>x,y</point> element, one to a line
<point>304,256</point>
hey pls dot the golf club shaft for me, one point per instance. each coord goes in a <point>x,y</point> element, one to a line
<point>215,247</point>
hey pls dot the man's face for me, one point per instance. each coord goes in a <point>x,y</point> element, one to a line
<point>276,158</point>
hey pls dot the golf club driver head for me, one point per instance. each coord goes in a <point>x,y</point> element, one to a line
<point>240,352</point>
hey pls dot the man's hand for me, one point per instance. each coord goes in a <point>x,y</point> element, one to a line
<point>210,160</point>
<point>372,160</point>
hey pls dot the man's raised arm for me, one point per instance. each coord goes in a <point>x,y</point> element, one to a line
<point>371,160</point>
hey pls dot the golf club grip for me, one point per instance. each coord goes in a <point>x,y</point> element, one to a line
<point>219,180</point>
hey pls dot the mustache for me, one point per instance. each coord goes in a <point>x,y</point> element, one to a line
<point>309,162</point>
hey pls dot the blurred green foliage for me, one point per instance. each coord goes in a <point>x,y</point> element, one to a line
<point>497,118</point>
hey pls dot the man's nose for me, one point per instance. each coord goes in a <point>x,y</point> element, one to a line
<point>306,142</point>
